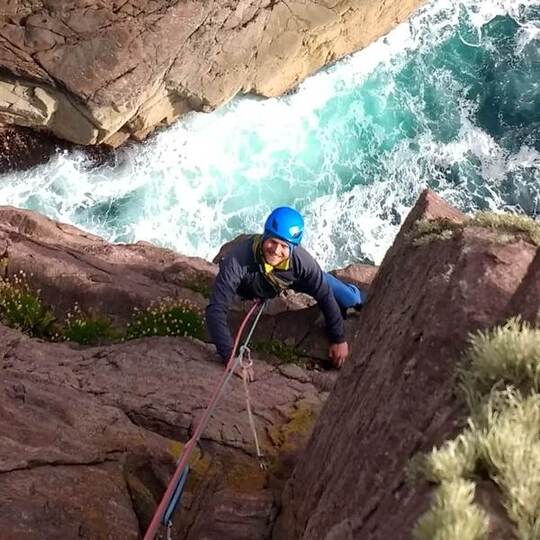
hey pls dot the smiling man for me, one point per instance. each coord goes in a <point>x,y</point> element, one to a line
<point>263,266</point>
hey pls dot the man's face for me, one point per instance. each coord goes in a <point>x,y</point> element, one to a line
<point>275,251</point>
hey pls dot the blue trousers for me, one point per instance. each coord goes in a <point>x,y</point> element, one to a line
<point>347,294</point>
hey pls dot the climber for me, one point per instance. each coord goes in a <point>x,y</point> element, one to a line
<point>263,266</point>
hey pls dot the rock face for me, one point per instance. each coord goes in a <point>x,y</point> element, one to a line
<point>93,72</point>
<point>90,435</point>
<point>70,266</point>
<point>89,438</point>
<point>395,397</point>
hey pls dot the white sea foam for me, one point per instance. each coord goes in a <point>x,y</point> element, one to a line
<point>211,176</point>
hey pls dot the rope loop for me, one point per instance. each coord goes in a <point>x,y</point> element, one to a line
<point>245,357</point>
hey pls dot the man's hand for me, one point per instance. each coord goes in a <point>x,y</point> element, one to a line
<point>338,353</point>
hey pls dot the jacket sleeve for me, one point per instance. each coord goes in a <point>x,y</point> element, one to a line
<point>225,287</point>
<point>313,282</point>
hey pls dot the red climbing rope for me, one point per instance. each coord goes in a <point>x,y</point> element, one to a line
<point>183,460</point>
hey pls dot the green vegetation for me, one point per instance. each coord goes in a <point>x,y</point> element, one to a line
<point>501,440</point>
<point>454,459</point>
<point>23,309</point>
<point>427,230</point>
<point>284,353</point>
<point>453,514</point>
<point>443,228</point>
<point>280,350</point>
<point>512,223</point>
<point>87,329</point>
<point>169,317</point>
<point>507,355</point>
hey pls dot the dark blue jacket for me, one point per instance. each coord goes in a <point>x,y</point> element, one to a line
<point>240,273</point>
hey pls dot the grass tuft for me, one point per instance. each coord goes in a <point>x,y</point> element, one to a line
<point>508,435</point>
<point>512,223</point>
<point>87,329</point>
<point>502,439</point>
<point>506,355</point>
<point>22,308</point>
<point>427,230</point>
<point>453,514</point>
<point>168,317</point>
<point>454,459</point>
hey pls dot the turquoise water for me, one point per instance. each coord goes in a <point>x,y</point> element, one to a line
<point>449,100</point>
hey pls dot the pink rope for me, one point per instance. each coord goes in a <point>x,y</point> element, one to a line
<point>190,445</point>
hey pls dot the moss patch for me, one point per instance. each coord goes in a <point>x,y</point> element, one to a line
<point>246,477</point>
<point>286,353</point>
<point>293,433</point>
<point>428,230</point>
<point>279,353</point>
<point>507,224</point>
<point>511,223</point>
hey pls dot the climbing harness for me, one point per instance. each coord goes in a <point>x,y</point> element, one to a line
<point>169,501</point>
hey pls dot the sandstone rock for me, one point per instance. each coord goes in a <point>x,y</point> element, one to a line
<point>526,301</point>
<point>361,275</point>
<point>70,266</point>
<point>107,422</point>
<point>90,437</point>
<point>88,70</point>
<point>396,396</point>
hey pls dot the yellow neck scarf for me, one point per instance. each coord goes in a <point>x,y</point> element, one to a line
<point>268,268</point>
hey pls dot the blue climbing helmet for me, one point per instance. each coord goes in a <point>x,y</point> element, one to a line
<point>286,224</point>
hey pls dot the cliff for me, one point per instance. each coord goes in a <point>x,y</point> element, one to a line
<point>91,430</point>
<point>101,72</point>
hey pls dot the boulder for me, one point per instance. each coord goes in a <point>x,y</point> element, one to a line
<point>361,275</point>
